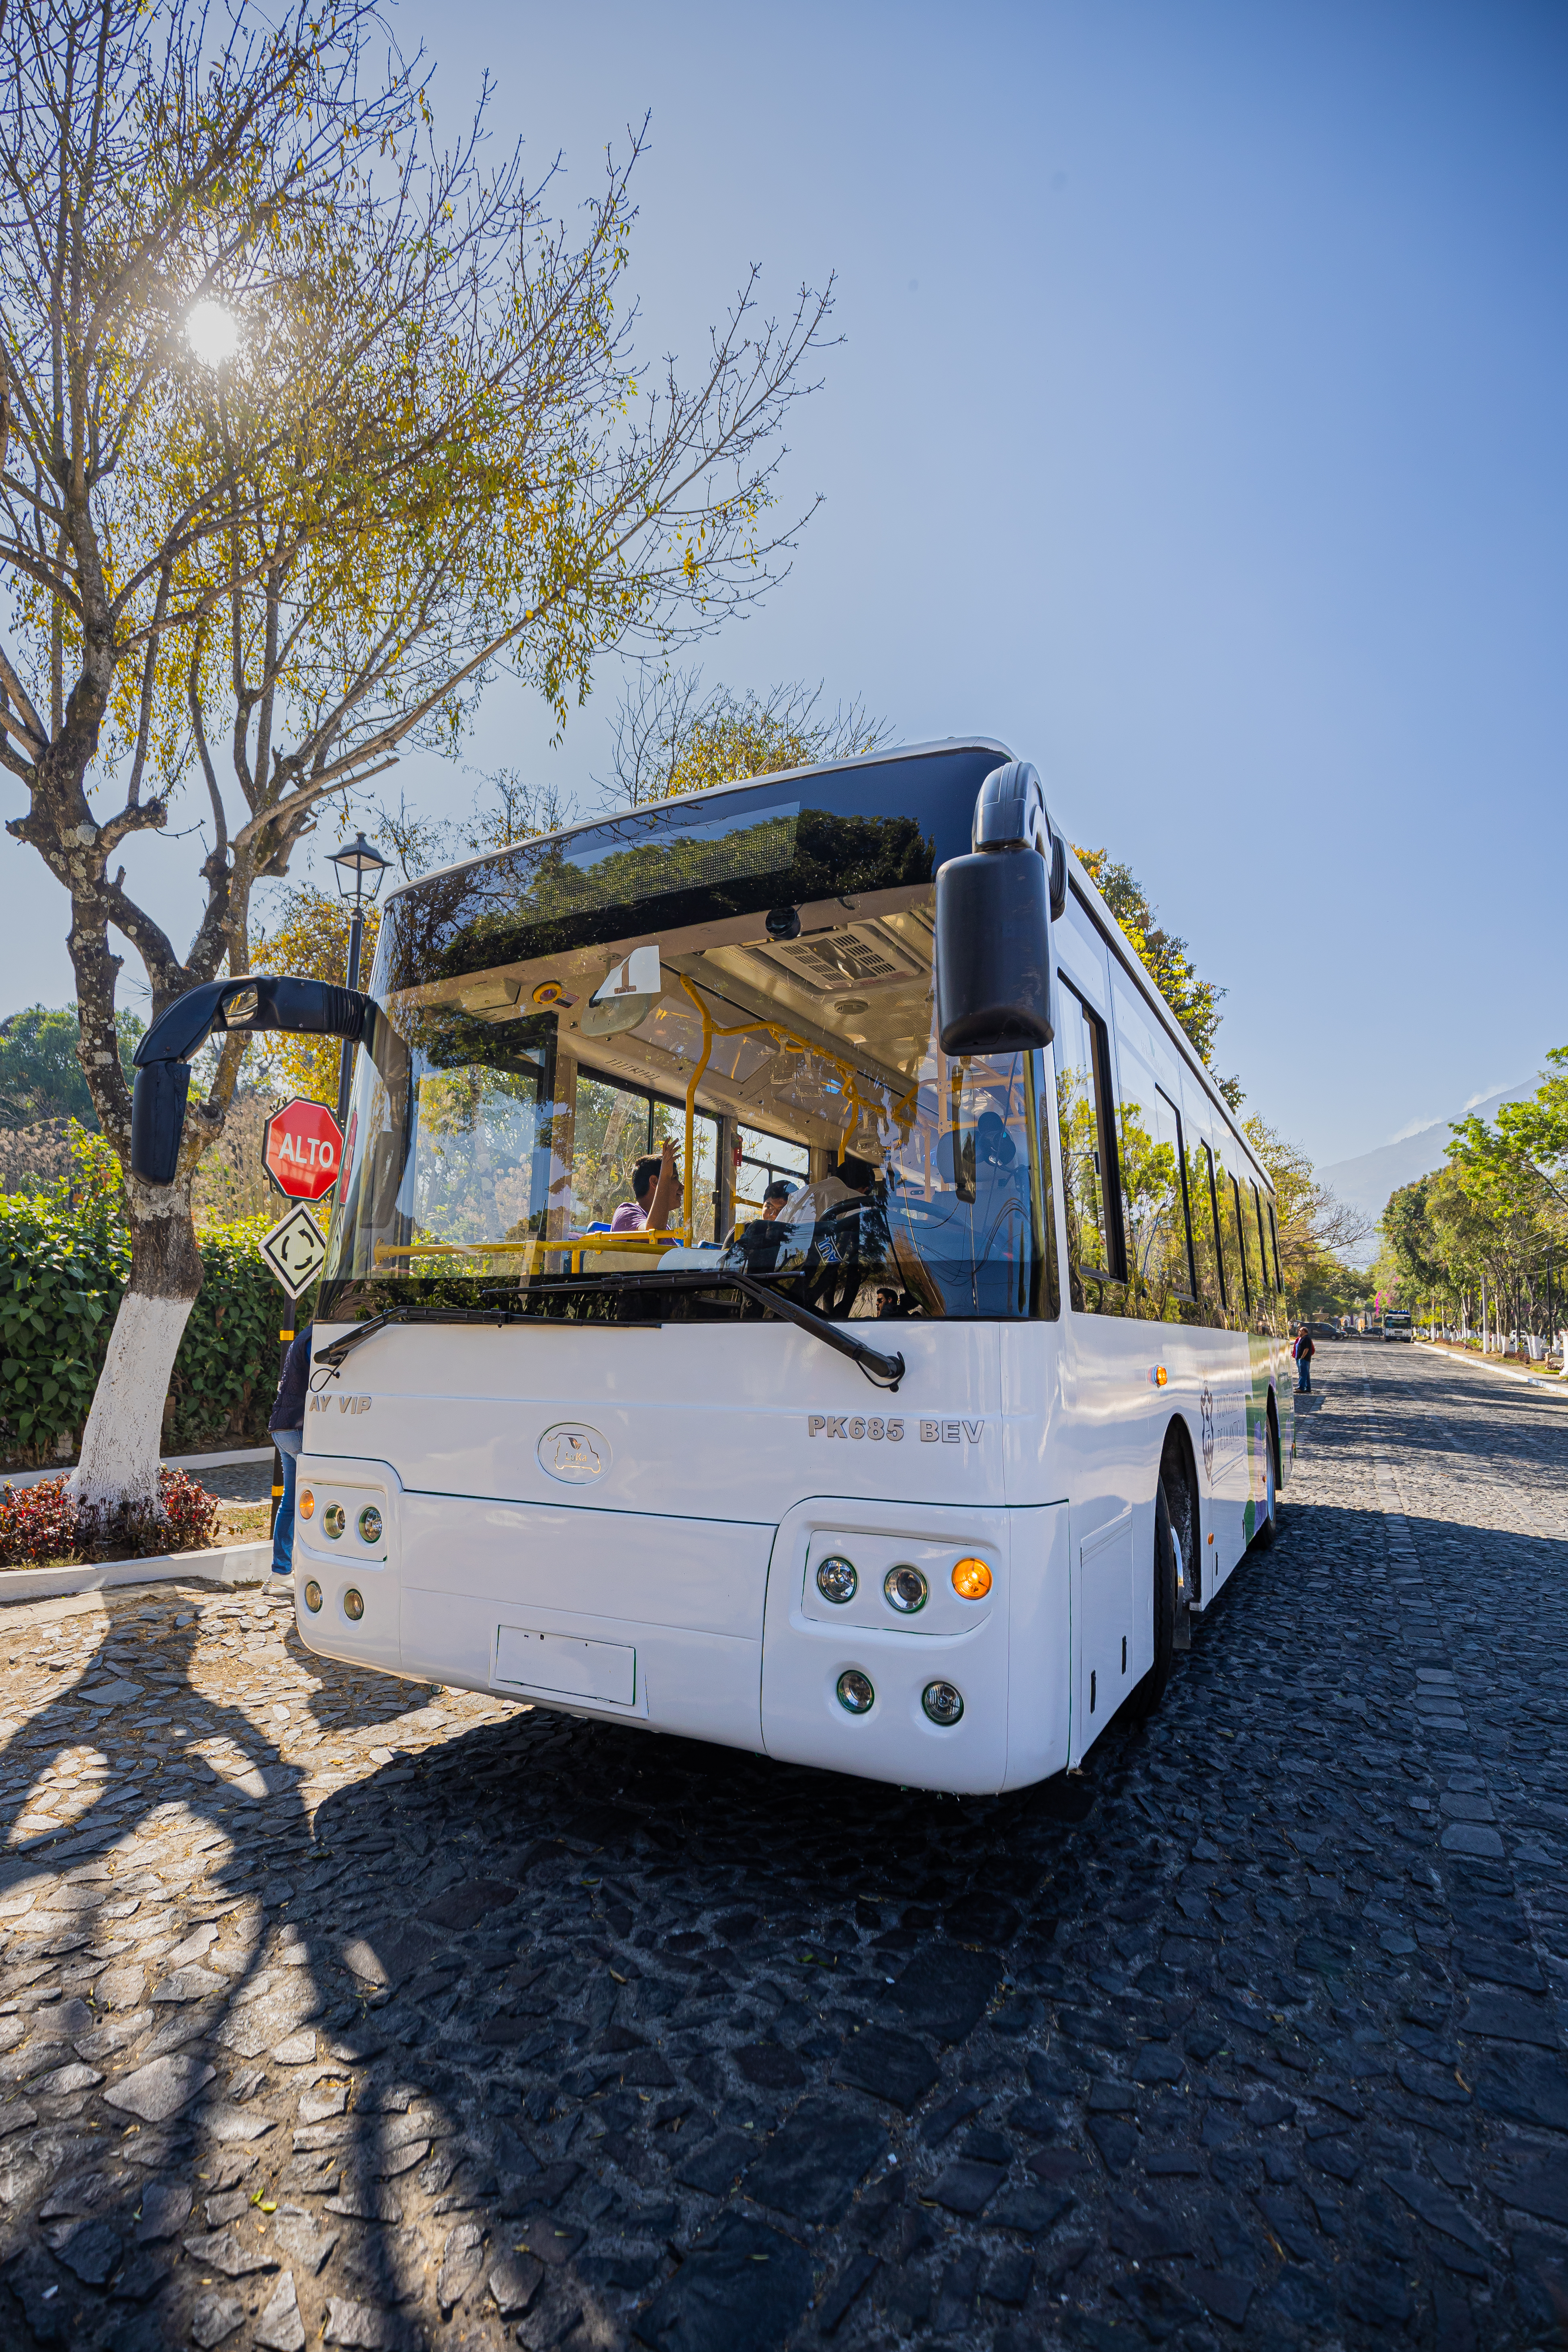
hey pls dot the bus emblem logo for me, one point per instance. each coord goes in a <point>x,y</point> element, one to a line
<point>574,1454</point>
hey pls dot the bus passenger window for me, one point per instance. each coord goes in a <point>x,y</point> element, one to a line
<point>1153,1195</point>
<point>1082,1063</point>
<point>1262,1239</point>
<point>1204,1191</point>
<point>1274,1238</point>
<point>1238,1229</point>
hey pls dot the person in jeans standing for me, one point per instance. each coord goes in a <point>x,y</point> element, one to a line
<point>286,1431</point>
<point>1303,1352</point>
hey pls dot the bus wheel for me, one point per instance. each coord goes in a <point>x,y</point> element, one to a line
<point>1270,1525</point>
<point>1152,1689</point>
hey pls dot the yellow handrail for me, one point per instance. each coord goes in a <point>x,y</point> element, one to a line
<point>855,1099</point>
<point>639,1238</point>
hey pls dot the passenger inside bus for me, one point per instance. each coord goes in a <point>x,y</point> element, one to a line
<point>659,1193</point>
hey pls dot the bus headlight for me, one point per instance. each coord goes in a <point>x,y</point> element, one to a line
<point>334,1520</point>
<point>353,1609</point>
<point>856,1693</point>
<point>942,1703</point>
<point>837,1580</point>
<point>369,1524</point>
<point>312,1596</point>
<point>906,1590</point>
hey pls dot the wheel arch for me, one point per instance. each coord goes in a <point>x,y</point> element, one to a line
<point>1179,1470</point>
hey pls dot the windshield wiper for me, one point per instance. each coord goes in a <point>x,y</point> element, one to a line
<point>883,1371</point>
<point>337,1351</point>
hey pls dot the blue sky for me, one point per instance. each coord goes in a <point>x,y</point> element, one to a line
<point>1197,429</point>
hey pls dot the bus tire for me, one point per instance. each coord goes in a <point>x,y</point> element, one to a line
<point>1269,1528</point>
<point>1152,1689</point>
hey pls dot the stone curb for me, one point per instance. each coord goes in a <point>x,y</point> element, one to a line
<point>170,1462</point>
<point>229,1564</point>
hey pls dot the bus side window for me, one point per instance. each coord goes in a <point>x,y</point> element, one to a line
<point>1274,1238</point>
<point>1089,1160</point>
<point>1154,1194</point>
<point>1238,1230</point>
<point>1214,1179</point>
<point>1184,1272</point>
<point>1262,1239</point>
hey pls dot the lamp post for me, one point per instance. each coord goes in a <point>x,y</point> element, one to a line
<point>359,870</point>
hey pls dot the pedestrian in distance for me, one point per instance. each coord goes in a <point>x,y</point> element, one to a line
<point>286,1429</point>
<point>1303,1352</point>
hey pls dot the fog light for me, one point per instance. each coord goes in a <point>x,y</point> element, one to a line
<point>837,1580</point>
<point>306,1504</point>
<point>942,1703</point>
<point>972,1579</point>
<point>334,1520</point>
<point>369,1523</point>
<point>312,1596</point>
<point>906,1590</point>
<point>353,1609</point>
<point>855,1693</point>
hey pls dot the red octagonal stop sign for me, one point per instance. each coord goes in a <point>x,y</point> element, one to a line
<point>302,1150</point>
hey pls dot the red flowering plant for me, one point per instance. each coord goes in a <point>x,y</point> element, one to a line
<point>42,1523</point>
<point>36,1523</point>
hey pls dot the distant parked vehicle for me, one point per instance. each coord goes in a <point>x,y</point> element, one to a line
<point>1397,1324</point>
<point>1325,1331</point>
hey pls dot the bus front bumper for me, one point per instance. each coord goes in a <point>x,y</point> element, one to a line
<point>716,1630</point>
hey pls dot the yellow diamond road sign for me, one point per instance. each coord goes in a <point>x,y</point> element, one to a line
<point>295,1249</point>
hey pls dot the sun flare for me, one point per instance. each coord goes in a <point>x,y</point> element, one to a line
<point>212,332</point>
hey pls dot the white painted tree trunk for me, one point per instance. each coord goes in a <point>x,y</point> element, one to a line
<point>121,1444</point>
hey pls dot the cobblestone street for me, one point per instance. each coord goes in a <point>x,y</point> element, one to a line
<point>337,2009</point>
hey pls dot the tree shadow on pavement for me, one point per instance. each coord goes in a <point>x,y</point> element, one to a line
<point>135,2124</point>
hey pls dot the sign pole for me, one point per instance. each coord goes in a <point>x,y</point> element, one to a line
<point>284,1336</point>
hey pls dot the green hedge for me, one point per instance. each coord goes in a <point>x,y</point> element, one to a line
<point>65,1258</point>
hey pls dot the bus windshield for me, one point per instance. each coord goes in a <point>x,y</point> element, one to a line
<point>746,975</point>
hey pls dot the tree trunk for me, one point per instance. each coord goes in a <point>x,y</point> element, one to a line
<point>119,1446</point>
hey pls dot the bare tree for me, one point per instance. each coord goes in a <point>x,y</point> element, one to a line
<point>670,737</point>
<point>306,424</point>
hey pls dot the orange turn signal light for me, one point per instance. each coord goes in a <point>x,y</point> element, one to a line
<point>1158,1375</point>
<point>972,1579</point>
<point>306,1505</point>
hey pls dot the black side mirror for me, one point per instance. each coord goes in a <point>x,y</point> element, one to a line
<point>993,911</point>
<point>250,1003</point>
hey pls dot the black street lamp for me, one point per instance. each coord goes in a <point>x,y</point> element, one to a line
<point>359,871</point>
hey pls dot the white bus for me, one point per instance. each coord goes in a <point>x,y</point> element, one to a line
<point>921,1478</point>
<point>1397,1325</point>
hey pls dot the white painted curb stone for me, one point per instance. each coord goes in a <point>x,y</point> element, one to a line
<point>230,1564</point>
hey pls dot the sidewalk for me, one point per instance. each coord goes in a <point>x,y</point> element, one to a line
<point>1543,1378</point>
<point>170,1462</point>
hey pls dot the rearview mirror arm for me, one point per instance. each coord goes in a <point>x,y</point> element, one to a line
<point>244,1005</point>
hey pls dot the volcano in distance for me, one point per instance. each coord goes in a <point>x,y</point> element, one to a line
<point>1366,1182</point>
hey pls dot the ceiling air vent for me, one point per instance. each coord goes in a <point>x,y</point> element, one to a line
<point>862,955</point>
